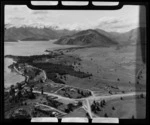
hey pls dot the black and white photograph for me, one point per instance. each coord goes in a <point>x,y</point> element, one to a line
<point>74,63</point>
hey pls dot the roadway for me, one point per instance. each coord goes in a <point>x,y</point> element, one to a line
<point>86,104</point>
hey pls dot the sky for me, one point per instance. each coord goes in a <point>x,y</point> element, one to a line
<point>121,20</point>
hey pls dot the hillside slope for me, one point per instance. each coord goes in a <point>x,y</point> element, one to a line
<point>86,38</point>
<point>131,37</point>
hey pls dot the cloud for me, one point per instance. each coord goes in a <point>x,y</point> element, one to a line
<point>111,20</point>
<point>116,24</point>
<point>40,12</point>
<point>16,18</point>
<point>22,15</point>
<point>40,18</point>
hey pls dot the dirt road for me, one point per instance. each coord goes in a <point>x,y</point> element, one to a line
<point>91,98</point>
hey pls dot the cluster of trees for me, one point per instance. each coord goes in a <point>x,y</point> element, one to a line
<point>53,77</point>
<point>60,69</point>
<point>63,77</point>
<point>96,106</point>
<point>56,104</point>
<point>132,117</point>
<point>140,96</point>
<point>30,59</point>
<point>78,92</point>
<point>52,102</point>
<point>18,93</point>
<point>140,76</point>
<point>50,68</point>
<point>12,94</point>
<point>71,107</point>
<point>19,114</point>
<point>110,92</point>
<point>105,115</point>
<point>113,108</point>
<point>36,111</point>
<point>84,93</point>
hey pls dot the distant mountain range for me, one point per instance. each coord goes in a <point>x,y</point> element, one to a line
<point>34,33</point>
<point>74,37</point>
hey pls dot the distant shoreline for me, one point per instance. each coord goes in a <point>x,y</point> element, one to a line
<point>31,40</point>
<point>9,41</point>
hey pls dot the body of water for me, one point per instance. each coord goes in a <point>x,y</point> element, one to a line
<point>27,48</point>
<point>10,77</point>
<point>24,48</point>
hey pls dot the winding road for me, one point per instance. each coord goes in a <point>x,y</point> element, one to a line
<point>86,104</point>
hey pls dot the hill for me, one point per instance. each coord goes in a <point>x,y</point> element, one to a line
<point>131,37</point>
<point>86,38</point>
